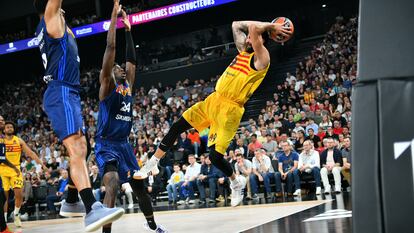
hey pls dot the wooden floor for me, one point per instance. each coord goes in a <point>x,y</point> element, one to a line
<point>211,220</point>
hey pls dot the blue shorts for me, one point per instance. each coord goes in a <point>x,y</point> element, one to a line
<point>63,107</point>
<point>119,153</point>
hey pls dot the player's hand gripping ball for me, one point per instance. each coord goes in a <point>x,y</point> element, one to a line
<point>282,31</point>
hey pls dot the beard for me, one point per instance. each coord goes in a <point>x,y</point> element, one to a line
<point>249,49</point>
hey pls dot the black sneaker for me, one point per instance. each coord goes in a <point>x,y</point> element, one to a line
<point>202,202</point>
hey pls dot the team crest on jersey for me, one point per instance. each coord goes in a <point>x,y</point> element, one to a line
<point>212,137</point>
<point>123,89</point>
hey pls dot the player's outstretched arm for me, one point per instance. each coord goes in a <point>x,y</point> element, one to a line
<point>105,77</point>
<point>55,24</point>
<point>30,153</point>
<point>130,50</point>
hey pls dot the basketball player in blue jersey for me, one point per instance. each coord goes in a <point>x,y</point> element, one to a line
<point>61,103</point>
<point>113,152</point>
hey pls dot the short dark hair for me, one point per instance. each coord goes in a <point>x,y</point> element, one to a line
<point>10,123</point>
<point>254,135</point>
<point>40,6</point>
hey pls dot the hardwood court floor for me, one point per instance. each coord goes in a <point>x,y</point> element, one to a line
<point>211,220</point>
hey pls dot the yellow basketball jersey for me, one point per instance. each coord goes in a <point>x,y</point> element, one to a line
<point>13,150</point>
<point>239,80</point>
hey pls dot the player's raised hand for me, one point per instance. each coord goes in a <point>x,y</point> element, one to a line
<point>117,7</point>
<point>125,20</point>
<point>280,29</point>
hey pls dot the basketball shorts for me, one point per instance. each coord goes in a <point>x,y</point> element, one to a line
<point>62,105</point>
<point>12,181</point>
<point>221,114</point>
<point>119,153</point>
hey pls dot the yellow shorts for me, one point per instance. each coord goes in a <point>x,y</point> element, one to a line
<point>221,114</point>
<point>12,181</point>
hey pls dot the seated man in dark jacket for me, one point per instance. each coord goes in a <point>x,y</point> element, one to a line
<point>208,176</point>
<point>184,146</point>
<point>331,162</point>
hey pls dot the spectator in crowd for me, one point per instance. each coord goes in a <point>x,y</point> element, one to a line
<point>309,163</point>
<point>60,194</point>
<point>330,134</point>
<point>347,158</point>
<point>223,186</point>
<point>254,145</point>
<point>270,146</point>
<point>300,139</point>
<point>154,185</point>
<point>96,183</point>
<point>183,145</point>
<point>175,181</point>
<point>326,122</point>
<point>288,164</point>
<point>127,189</point>
<point>331,163</point>
<point>263,172</point>
<point>208,176</point>
<point>195,141</point>
<point>190,180</point>
<point>244,167</point>
<point>314,138</point>
<point>311,125</point>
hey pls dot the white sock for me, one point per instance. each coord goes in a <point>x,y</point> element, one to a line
<point>129,196</point>
<point>5,216</point>
<point>16,211</point>
<point>153,161</point>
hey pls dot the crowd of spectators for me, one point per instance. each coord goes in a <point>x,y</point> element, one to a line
<point>304,129</point>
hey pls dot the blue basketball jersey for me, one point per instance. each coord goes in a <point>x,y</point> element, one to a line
<point>115,115</point>
<point>60,56</point>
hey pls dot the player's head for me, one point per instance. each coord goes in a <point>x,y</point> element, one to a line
<point>40,6</point>
<point>9,128</point>
<point>1,124</point>
<point>119,73</point>
<point>177,167</point>
<point>264,38</point>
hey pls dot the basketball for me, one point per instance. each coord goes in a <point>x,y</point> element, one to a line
<point>286,23</point>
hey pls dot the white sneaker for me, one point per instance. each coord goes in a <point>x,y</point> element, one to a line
<point>298,192</point>
<point>17,221</point>
<point>180,202</point>
<point>236,190</point>
<point>338,189</point>
<point>318,190</point>
<point>160,228</point>
<point>145,170</point>
<point>130,206</point>
<point>327,190</point>
<point>191,202</point>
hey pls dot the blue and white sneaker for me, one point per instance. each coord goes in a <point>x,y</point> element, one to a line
<point>72,209</point>
<point>160,228</point>
<point>100,216</point>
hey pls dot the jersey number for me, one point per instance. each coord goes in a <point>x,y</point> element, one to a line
<point>126,107</point>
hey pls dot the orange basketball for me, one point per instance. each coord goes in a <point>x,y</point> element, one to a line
<point>286,23</point>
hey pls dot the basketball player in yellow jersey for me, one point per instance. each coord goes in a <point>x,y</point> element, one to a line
<point>10,177</point>
<point>223,109</point>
